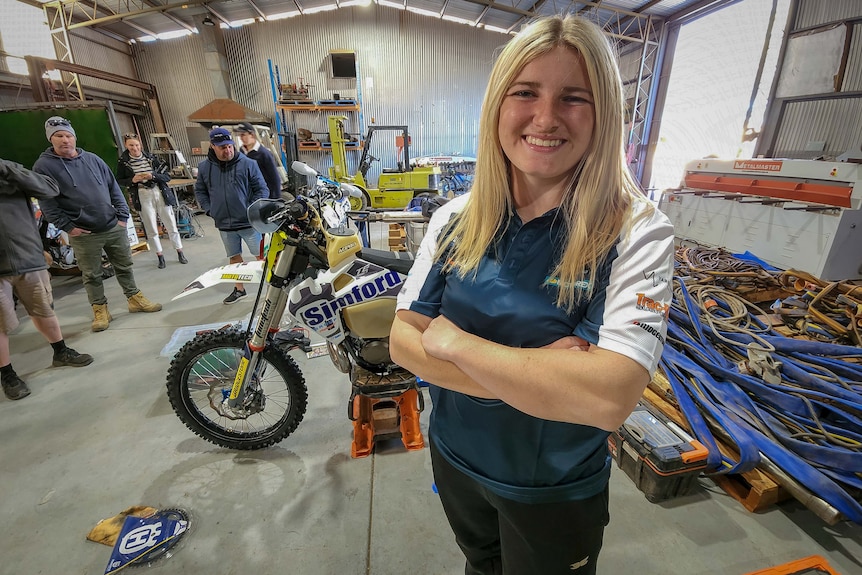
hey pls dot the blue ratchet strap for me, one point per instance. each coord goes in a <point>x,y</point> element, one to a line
<point>851,371</point>
<point>794,373</point>
<point>694,321</point>
<point>817,404</point>
<point>715,460</point>
<point>696,386</point>
<point>837,457</point>
<point>807,379</point>
<point>788,344</point>
<point>817,481</point>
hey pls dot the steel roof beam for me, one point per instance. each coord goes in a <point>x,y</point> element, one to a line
<point>255,8</point>
<point>164,8</point>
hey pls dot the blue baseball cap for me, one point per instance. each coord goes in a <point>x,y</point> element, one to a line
<point>220,137</point>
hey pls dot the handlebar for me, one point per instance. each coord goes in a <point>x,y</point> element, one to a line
<point>266,216</point>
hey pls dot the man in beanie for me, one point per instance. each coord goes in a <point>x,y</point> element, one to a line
<point>265,160</point>
<point>227,185</point>
<point>24,273</point>
<point>92,210</point>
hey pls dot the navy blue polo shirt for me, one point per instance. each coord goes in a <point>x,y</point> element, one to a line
<point>511,300</point>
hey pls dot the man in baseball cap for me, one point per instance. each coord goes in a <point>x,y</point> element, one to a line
<point>265,160</point>
<point>227,185</point>
<point>220,137</point>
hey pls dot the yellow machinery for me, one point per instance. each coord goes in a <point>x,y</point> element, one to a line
<point>395,187</point>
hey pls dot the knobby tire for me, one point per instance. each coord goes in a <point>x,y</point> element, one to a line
<point>213,357</point>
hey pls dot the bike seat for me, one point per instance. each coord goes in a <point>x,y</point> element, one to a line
<point>400,262</point>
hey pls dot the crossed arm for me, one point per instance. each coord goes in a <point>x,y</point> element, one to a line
<point>564,381</point>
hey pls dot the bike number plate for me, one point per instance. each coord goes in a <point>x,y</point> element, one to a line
<point>331,217</point>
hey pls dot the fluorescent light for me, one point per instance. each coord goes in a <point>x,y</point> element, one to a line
<point>355,3</point>
<point>458,20</point>
<point>423,12</point>
<point>283,15</point>
<point>390,4</point>
<point>317,9</point>
<point>147,39</point>
<point>174,34</point>
<point>238,23</point>
<point>495,29</point>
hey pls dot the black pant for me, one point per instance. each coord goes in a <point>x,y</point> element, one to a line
<point>503,537</point>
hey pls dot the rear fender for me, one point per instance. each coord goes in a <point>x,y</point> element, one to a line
<point>245,272</point>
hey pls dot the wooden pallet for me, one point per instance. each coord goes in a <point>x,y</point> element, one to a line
<point>397,238</point>
<point>756,490</point>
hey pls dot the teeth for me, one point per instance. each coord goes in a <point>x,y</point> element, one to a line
<point>543,143</point>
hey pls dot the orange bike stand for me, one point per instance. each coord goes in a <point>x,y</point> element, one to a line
<point>378,418</point>
<point>812,565</point>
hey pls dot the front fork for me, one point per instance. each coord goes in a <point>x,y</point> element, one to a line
<point>272,309</point>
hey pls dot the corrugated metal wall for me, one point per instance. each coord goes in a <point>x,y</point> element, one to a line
<point>838,123</point>
<point>853,73</point>
<point>428,74</point>
<point>816,12</point>
<point>95,50</point>
<point>834,118</point>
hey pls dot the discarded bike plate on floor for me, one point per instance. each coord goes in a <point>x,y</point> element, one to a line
<point>146,539</point>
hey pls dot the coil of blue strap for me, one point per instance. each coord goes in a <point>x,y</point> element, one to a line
<point>806,418</point>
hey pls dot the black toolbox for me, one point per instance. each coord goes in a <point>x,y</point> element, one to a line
<point>659,456</point>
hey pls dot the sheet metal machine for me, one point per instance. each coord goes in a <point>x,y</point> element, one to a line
<point>794,214</point>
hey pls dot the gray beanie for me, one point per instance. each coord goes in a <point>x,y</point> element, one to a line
<point>55,124</point>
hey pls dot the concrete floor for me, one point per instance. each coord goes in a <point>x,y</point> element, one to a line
<point>90,442</point>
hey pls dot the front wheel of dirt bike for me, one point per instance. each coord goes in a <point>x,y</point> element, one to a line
<point>201,376</point>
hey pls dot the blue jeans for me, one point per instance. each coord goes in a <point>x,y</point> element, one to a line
<point>233,239</point>
<point>88,252</point>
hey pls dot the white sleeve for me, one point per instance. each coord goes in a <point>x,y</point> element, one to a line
<point>633,312</point>
<point>422,290</point>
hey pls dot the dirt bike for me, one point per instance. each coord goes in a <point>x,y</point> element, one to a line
<point>242,390</point>
<point>330,198</point>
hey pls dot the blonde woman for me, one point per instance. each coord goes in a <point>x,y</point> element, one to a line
<point>146,178</point>
<point>536,308</point>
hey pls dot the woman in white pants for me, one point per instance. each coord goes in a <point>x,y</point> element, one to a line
<point>146,177</point>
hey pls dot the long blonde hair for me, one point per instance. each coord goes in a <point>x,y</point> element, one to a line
<point>601,193</point>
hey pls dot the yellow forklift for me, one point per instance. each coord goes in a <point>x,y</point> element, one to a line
<point>396,187</point>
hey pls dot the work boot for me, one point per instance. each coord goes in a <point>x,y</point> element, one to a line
<point>161,261</point>
<point>71,358</point>
<point>139,303</point>
<point>14,387</point>
<point>182,257</point>
<point>101,317</point>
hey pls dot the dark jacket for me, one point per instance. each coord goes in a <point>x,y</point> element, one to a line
<point>21,248</point>
<point>125,173</point>
<point>225,190</point>
<point>90,197</point>
<point>266,162</point>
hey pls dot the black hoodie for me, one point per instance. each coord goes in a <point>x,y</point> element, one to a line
<point>90,197</point>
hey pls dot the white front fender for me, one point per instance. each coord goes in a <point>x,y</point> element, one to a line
<point>245,272</point>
